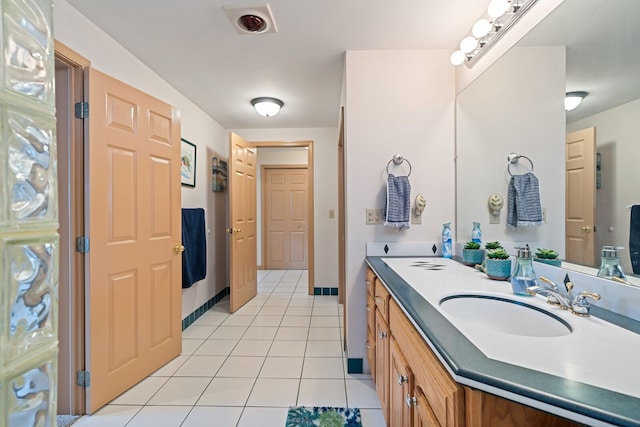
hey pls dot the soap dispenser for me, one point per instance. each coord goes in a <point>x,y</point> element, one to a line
<point>610,264</point>
<point>523,275</point>
<point>476,233</point>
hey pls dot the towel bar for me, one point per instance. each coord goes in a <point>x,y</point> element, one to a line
<point>397,160</point>
<point>514,158</point>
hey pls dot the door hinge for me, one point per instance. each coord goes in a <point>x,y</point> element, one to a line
<point>82,244</point>
<point>83,378</point>
<point>82,110</point>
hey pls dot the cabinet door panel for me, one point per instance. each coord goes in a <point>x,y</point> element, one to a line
<point>382,364</point>
<point>423,414</point>
<point>401,387</point>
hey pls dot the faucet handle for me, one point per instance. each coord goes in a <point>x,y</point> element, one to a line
<point>580,306</point>
<point>569,287</point>
<point>549,282</point>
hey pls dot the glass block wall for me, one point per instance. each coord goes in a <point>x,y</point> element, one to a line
<point>28,216</point>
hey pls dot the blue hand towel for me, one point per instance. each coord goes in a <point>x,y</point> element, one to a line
<point>523,202</point>
<point>398,204</point>
<point>194,257</point>
<point>634,239</point>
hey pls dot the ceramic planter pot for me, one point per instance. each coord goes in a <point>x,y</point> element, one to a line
<point>498,269</point>
<point>557,262</point>
<point>472,256</point>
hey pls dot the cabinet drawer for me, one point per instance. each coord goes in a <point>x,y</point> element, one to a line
<point>381,298</point>
<point>370,280</point>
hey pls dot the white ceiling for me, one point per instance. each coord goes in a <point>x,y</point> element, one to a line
<point>193,46</point>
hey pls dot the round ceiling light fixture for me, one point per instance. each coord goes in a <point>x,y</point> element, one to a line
<point>573,99</point>
<point>267,106</point>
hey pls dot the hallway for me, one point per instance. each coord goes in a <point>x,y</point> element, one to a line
<point>283,348</point>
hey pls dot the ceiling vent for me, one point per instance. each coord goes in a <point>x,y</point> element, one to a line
<point>251,20</point>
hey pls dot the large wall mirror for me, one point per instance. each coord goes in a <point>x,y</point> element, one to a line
<point>517,106</point>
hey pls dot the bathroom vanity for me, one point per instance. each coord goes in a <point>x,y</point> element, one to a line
<point>449,347</point>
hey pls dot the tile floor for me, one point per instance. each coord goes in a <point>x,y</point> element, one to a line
<point>282,348</point>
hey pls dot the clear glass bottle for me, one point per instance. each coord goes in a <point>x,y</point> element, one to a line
<point>476,233</point>
<point>523,275</point>
<point>446,240</point>
<point>610,264</point>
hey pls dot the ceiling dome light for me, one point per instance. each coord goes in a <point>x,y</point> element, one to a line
<point>573,99</point>
<point>497,8</point>
<point>266,106</point>
<point>481,28</point>
<point>457,57</point>
<point>468,44</point>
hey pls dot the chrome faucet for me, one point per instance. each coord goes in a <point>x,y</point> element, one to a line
<point>578,305</point>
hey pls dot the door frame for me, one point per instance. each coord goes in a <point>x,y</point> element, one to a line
<point>263,188</point>
<point>310,244</point>
<point>71,300</point>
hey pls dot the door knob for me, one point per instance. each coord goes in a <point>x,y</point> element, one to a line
<point>178,248</point>
<point>585,228</point>
<point>233,230</point>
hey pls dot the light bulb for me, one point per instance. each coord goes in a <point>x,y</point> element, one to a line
<point>457,57</point>
<point>481,28</point>
<point>468,44</point>
<point>573,99</point>
<point>497,8</point>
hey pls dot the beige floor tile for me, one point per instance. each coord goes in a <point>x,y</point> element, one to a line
<point>247,347</point>
<point>203,416</point>
<point>160,416</point>
<point>216,347</point>
<point>227,392</point>
<point>180,391</point>
<point>263,417</point>
<point>241,366</point>
<point>292,334</point>
<point>322,392</point>
<point>263,393</point>
<point>281,367</point>
<point>288,348</point>
<point>200,366</point>
<point>323,367</point>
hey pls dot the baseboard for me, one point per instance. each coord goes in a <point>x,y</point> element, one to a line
<point>325,291</point>
<point>187,321</point>
<point>354,366</point>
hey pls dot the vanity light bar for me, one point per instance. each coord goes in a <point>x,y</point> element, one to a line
<point>500,17</point>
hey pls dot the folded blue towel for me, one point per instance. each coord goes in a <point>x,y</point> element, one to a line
<point>398,205</point>
<point>194,257</point>
<point>523,202</point>
<point>634,239</point>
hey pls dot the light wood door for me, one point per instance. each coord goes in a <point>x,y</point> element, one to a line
<point>242,202</point>
<point>134,225</point>
<point>580,197</point>
<point>401,384</point>
<point>286,218</point>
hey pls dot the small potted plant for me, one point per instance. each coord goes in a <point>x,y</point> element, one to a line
<point>492,245</point>
<point>498,264</point>
<point>472,254</point>
<point>547,256</point>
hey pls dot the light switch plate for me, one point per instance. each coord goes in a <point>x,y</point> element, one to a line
<point>374,216</point>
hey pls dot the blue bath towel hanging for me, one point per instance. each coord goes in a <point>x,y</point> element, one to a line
<point>194,257</point>
<point>398,204</point>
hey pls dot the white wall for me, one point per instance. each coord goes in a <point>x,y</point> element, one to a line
<point>397,102</point>
<point>274,156</point>
<point>325,154</point>
<point>514,107</point>
<point>106,55</point>
<point>617,133</point>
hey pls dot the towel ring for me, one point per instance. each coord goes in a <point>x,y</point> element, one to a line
<point>513,158</point>
<point>397,160</point>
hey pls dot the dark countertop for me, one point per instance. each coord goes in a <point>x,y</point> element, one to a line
<point>468,365</point>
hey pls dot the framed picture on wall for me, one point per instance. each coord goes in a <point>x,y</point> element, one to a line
<point>218,174</point>
<point>187,163</point>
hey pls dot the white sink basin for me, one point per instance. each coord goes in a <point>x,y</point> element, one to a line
<point>505,315</point>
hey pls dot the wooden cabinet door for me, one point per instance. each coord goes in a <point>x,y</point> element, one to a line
<point>401,388</point>
<point>371,353</point>
<point>423,415</point>
<point>382,364</point>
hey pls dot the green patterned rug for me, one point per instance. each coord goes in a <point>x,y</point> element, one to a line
<point>323,416</point>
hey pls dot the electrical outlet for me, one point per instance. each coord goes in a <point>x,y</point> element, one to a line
<point>415,218</point>
<point>374,216</point>
<point>332,213</point>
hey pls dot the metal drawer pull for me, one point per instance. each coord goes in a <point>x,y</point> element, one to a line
<point>368,344</point>
<point>382,334</point>
<point>410,401</point>
<point>378,300</point>
<point>368,307</point>
<point>402,379</point>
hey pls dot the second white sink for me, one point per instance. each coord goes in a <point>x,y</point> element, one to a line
<point>505,315</point>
